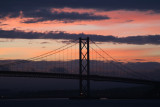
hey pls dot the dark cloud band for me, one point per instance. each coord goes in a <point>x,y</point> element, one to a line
<point>14,34</point>
<point>14,6</point>
<point>101,4</point>
<point>46,15</point>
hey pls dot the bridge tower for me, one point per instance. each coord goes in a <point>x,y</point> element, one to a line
<point>84,68</point>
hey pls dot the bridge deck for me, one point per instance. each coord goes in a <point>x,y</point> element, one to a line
<point>75,76</point>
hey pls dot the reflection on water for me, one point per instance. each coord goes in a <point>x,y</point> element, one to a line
<point>78,103</point>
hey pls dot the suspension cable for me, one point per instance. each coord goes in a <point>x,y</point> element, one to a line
<point>129,69</point>
<point>42,55</point>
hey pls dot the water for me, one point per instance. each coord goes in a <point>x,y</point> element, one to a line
<point>79,103</point>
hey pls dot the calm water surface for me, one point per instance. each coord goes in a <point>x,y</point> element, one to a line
<point>78,103</point>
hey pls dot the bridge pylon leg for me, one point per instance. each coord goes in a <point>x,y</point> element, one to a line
<point>84,68</point>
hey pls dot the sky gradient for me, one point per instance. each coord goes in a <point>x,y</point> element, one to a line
<point>129,30</point>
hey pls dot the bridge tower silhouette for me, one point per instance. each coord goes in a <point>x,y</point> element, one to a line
<point>102,68</point>
<point>84,67</point>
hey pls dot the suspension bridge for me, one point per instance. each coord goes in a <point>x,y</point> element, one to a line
<point>84,60</point>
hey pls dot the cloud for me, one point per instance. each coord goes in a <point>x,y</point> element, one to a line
<point>41,15</point>
<point>127,21</point>
<point>44,42</point>
<point>15,6</point>
<point>147,39</point>
<point>2,24</point>
<point>47,15</point>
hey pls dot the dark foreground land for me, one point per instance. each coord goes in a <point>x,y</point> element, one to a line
<point>117,97</point>
<point>115,93</point>
<point>79,103</point>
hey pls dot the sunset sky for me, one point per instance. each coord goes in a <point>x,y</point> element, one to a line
<point>129,30</point>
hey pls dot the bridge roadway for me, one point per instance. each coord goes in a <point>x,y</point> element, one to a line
<point>76,76</point>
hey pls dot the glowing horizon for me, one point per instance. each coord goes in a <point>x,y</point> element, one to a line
<point>119,23</point>
<point>121,52</point>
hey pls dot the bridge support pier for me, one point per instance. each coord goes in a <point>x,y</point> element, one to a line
<point>84,68</point>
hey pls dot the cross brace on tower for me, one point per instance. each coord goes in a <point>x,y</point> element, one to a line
<point>84,67</point>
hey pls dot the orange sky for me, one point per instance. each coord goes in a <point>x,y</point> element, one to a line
<point>25,49</point>
<point>122,23</point>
